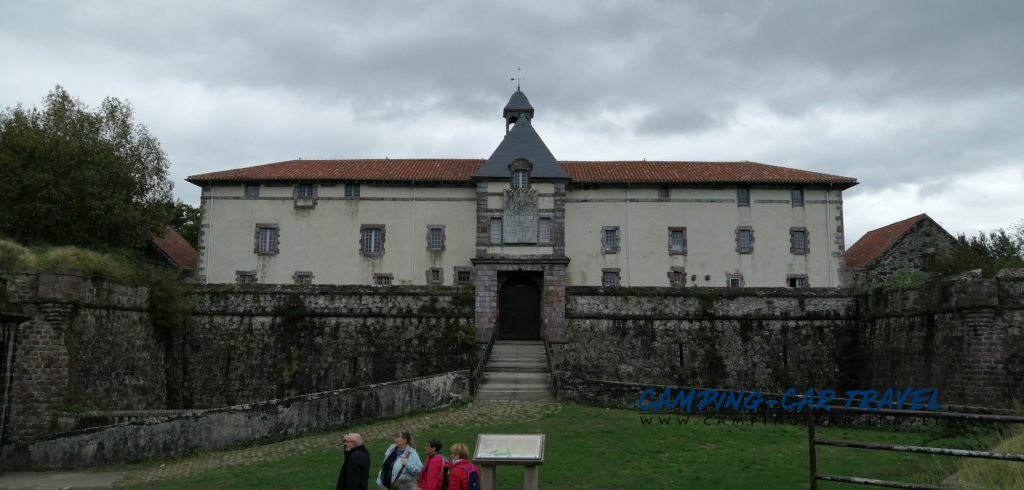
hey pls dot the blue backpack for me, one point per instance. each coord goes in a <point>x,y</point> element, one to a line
<point>473,478</point>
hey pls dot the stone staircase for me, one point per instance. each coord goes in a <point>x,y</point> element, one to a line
<point>516,370</point>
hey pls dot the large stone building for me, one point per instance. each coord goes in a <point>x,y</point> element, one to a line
<point>522,225</point>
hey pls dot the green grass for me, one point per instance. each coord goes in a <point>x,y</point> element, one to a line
<point>591,447</point>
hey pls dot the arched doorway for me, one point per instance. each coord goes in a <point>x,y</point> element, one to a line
<point>519,306</point>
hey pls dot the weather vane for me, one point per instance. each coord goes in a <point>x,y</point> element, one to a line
<point>518,78</point>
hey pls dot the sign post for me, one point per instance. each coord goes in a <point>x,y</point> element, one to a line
<point>525,450</point>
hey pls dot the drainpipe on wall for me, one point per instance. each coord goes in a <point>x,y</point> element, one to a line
<point>828,237</point>
<point>412,237</point>
<point>629,250</point>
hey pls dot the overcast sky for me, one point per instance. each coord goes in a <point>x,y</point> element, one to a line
<point>921,101</point>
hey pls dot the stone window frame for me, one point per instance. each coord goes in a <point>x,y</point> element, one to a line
<point>743,197</point>
<point>734,281</point>
<point>459,271</point>
<point>611,275</point>
<point>494,230</point>
<point>364,230</point>
<point>435,276</point>
<point>520,168</point>
<point>671,231</point>
<point>799,231</point>
<point>383,279</point>
<point>664,193</point>
<point>259,244</point>
<point>611,244</point>
<point>352,189</point>
<point>303,278</point>
<point>304,195</point>
<point>797,197</point>
<point>246,277</point>
<point>440,244</point>
<point>676,276</point>
<point>793,281</point>
<point>251,191</point>
<point>545,223</point>
<point>747,231</point>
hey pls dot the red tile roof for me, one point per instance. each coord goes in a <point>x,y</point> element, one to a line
<point>177,249</point>
<point>452,170</point>
<point>875,242</point>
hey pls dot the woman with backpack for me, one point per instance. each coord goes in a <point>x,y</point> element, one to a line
<point>463,475</point>
<point>435,469</point>
<point>401,465</point>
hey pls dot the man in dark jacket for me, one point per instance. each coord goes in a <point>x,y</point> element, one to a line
<point>355,471</point>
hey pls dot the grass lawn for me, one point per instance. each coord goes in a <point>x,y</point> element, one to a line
<point>595,448</point>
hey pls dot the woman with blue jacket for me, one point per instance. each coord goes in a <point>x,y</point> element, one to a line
<point>401,465</point>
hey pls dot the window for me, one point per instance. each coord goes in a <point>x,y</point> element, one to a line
<point>267,239</point>
<point>798,243</point>
<point>305,191</point>
<point>664,193</point>
<point>435,276</point>
<point>371,240</point>
<point>610,239</point>
<point>796,280</point>
<point>609,277</point>
<point>495,230</point>
<point>677,277</point>
<point>520,179</point>
<point>544,230</point>
<point>798,197</point>
<point>926,261</point>
<point>744,240</point>
<point>743,196</point>
<point>252,191</point>
<point>435,237</point>
<point>382,279</point>
<point>351,190</point>
<point>303,278</point>
<point>676,240</point>
<point>463,275</point>
<point>734,280</point>
<point>245,277</point>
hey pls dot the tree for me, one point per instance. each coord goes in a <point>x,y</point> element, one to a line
<point>75,176</point>
<point>185,221</point>
<point>989,252</point>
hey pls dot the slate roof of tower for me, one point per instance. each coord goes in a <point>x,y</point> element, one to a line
<point>518,101</point>
<point>522,142</point>
<point>461,171</point>
<point>874,243</point>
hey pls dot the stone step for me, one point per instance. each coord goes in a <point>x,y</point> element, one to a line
<point>512,367</point>
<point>536,396</point>
<point>516,377</point>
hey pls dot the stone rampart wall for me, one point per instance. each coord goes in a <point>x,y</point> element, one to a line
<point>217,428</point>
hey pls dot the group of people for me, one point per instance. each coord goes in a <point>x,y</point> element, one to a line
<point>403,469</point>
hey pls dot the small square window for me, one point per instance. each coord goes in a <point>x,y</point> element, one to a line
<point>677,277</point>
<point>435,237</point>
<point>463,275</point>
<point>305,191</point>
<point>245,277</point>
<point>610,239</point>
<point>371,240</point>
<point>734,280</point>
<point>797,197</point>
<point>796,280</point>
<point>351,190</point>
<point>610,277</point>
<point>743,196</point>
<point>744,240</point>
<point>435,276</point>
<point>664,193</point>
<point>303,278</point>
<point>252,191</point>
<point>676,240</point>
<point>520,179</point>
<point>798,243</point>
<point>382,279</point>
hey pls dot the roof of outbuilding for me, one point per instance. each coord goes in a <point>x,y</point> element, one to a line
<point>453,170</point>
<point>177,249</point>
<point>875,242</point>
